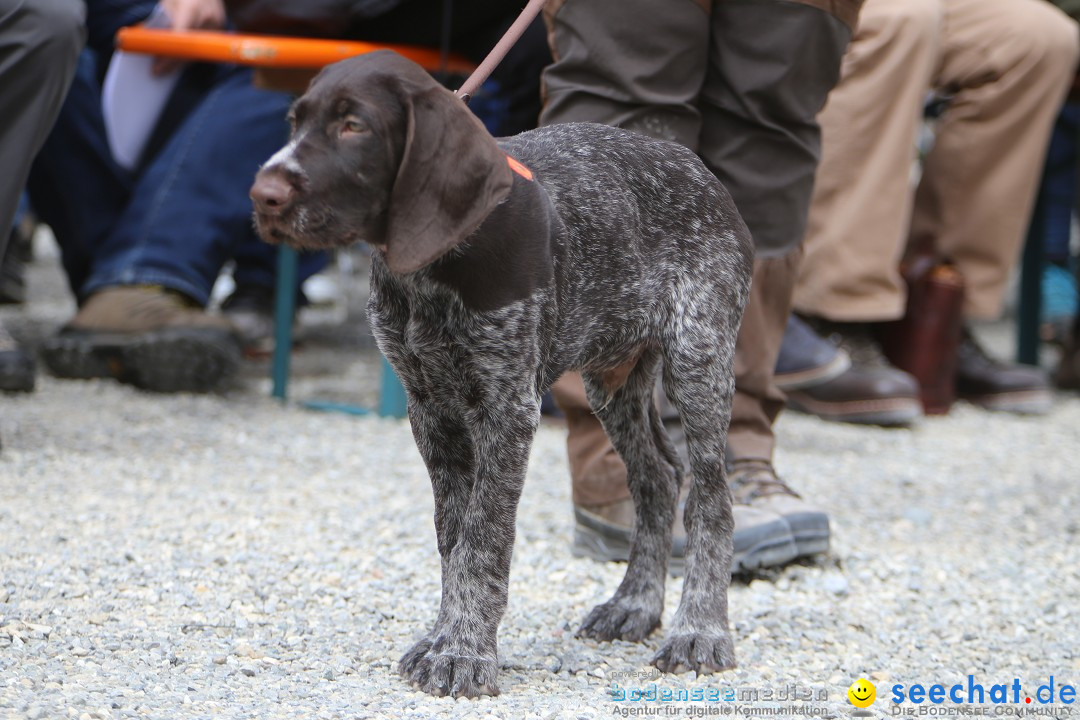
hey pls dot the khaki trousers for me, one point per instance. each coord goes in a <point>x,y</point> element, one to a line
<point>1007,65</point>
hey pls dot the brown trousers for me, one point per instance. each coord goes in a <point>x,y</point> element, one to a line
<point>1007,65</point>
<point>740,82</point>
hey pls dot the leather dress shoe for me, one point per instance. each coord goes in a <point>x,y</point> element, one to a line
<point>870,391</point>
<point>997,385</point>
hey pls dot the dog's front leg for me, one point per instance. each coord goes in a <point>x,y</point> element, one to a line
<point>477,462</point>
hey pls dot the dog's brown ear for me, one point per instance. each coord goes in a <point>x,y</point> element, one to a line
<point>452,175</point>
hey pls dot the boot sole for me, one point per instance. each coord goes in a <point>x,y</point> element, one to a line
<point>883,411</point>
<point>169,360</point>
<point>1021,402</point>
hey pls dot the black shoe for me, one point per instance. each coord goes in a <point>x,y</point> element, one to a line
<point>870,391</point>
<point>996,385</point>
<point>18,370</point>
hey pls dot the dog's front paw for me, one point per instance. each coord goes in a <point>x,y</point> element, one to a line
<point>698,652</point>
<point>618,619</point>
<point>438,670</point>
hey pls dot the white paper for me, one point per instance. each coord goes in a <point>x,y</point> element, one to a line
<point>133,98</point>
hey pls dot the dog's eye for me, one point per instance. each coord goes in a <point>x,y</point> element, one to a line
<point>352,126</point>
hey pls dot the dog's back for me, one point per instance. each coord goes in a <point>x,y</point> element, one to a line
<point>642,233</point>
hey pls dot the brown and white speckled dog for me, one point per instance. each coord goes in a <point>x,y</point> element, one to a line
<point>499,266</point>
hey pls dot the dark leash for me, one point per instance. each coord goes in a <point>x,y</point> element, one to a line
<point>511,36</point>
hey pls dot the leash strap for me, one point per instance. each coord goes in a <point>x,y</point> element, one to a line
<point>484,69</point>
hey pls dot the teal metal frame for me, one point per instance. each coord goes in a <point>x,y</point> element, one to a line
<point>1031,268</point>
<point>392,399</point>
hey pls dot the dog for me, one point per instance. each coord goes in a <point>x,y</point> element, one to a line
<point>497,267</point>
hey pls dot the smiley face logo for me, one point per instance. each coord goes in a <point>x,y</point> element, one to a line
<point>862,693</point>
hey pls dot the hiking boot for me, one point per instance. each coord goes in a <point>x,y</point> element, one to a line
<point>18,370</point>
<point>754,483</point>
<point>997,385</point>
<point>870,391</point>
<point>148,336</point>
<point>762,538</point>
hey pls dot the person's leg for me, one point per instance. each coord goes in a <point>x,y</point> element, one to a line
<point>190,207</point>
<point>76,155</point>
<point>607,71</point>
<point>761,138</point>
<point>39,44</point>
<point>772,64</point>
<point>860,208</point>
<point>1008,65</point>
<point>145,271</point>
<point>757,400</point>
<point>861,204</point>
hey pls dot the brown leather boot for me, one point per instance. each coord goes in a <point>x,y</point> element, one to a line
<point>148,336</point>
<point>870,391</point>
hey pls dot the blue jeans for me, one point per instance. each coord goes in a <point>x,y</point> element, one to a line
<point>178,217</point>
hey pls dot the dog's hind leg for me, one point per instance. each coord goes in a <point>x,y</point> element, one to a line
<point>698,379</point>
<point>477,461</point>
<point>632,421</point>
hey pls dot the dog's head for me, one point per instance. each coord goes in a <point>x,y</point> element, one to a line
<point>382,153</point>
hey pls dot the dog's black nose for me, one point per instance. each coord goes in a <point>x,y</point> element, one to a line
<point>271,193</point>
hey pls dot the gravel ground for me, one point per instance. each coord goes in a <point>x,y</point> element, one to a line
<point>227,556</point>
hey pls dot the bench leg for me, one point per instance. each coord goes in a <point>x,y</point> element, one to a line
<point>1030,305</point>
<point>392,399</point>
<point>284,310</point>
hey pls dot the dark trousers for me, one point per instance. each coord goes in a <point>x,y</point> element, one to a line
<point>39,43</point>
<point>740,82</point>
